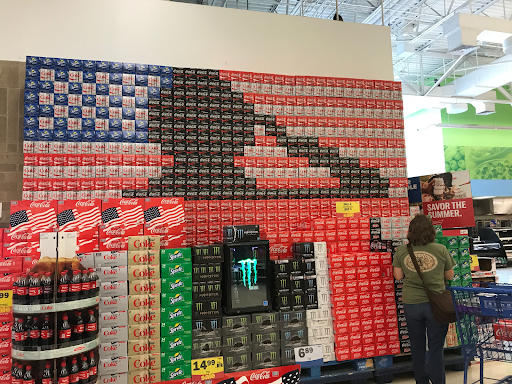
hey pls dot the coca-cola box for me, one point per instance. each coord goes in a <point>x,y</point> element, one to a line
<point>33,216</point>
<point>122,217</point>
<point>164,216</point>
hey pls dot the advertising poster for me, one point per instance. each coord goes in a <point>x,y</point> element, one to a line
<point>484,163</point>
<point>447,198</point>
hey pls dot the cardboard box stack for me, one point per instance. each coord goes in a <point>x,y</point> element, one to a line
<point>112,271</point>
<point>237,343</point>
<point>206,297</point>
<point>144,309</point>
<point>176,313</point>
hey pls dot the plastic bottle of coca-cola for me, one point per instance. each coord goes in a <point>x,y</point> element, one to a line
<point>47,377</point>
<point>19,374</point>
<point>46,288</point>
<point>34,333</point>
<point>21,336</point>
<point>93,367</point>
<point>84,370</point>
<point>15,285</point>
<point>63,287</point>
<point>78,327</point>
<point>63,373</point>
<point>23,289</point>
<point>28,377</point>
<point>64,330</point>
<point>74,374</point>
<point>46,332</point>
<point>86,285</point>
<point>91,327</point>
<point>75,286</point>
<point>15,377</point>
<point>93,278</point>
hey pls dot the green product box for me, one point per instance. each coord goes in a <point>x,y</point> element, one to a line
<point>179,284</point>
<point>177,255</point>
<point>452,242</point>
<point>439,230</point>
<point>440,240</point>
<point>176,343</point>
<point>176,298</point>
<point>466,280</point>
<point>182,312</point>
<point>465,266</point>
<point>176,358</point>
<point>464,254</point>
<point>454,252</point>
<point>179,372</point>
<point>463,241</point>
<point>455,282</point>
<point>456,269</point>
<point>176,270</point>
<point>175,328</point>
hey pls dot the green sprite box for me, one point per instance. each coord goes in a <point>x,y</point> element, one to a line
<point>176,358</point>
<point>464,254</point>
<point>176,299</point>
<point>176,343</point>
<point>456,269</point>
<point>455,282</point>
<point>182,312</point>
<point>439,230</point>
<point>465,266</point>
<point>179,372</point>
<point>177,255</point>
<point>440,240</point>
<point>454,252</point>
<point>466,280</point>
<point>178,284</point>
<point>175,328</point>
<point>452,242</point>
<point>463,241</point>
<point>176,270</point>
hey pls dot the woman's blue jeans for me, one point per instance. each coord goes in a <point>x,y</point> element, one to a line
<point>428,366</point>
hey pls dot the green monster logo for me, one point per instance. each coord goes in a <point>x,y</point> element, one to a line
<point>249,272</point>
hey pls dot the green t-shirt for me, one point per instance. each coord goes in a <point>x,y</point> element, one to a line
<point>433,259</point>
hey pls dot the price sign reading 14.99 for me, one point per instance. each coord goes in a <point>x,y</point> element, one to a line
<point>5,301</point>
<point>208,369</point>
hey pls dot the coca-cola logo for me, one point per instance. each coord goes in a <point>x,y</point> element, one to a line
<point>110,364</point>
<point>5,360</point>
<point>110,348</point>
<point>278,249</point>
<point>162,229</point>
<point>110,302</point>
<point>40,204</point>
<point>5,344</point>
<point>128,202</point>
<point>169,201</point>
<point>110,272</point>
<point>265,375</point>
<point>87,203</point>
<point>109,380</point>
<point>110,333</point>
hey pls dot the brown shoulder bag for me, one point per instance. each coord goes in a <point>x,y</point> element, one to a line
<point>441,303</point>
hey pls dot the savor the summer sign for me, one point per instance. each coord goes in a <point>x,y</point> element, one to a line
<point>447,199</point>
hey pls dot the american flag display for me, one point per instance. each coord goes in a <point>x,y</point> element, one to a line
<point>125,217</point>
<point>83,217</point>
<point>33,216</point>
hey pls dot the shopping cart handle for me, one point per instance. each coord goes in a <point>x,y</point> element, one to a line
<point>493,290</point>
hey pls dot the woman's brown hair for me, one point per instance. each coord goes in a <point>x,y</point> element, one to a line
<point>421,231</point>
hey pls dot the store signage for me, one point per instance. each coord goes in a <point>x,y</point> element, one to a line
<point>5,301</point>
<point>208,369</point>
<point>309,356</point>
<point>348,208</point>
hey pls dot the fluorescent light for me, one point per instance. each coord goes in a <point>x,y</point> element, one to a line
<point>483,197</point>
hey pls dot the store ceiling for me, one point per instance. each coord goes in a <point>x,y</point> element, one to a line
<point>416,22</point>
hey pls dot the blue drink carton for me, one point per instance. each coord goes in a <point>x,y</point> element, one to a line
<point>88,136</point>
<point>141,69</point>
<point>153,92</point>
<point>47,62</point>
<point>31,110</point>
<point>88,101</point>
<point>116,67</point>
<point>128,136</point>
<point>102,89</point>
<point>31,97</point>
<point>75,88</point>
<point>141,102</point>
<point>141,80</point>
<point>115,136</point>
<point>141,137</point>
<point>88,124</point>
<point>89,77</point>
<point>61,75</point>
<point>32,73</point>
<point>76,65</point>
<point>30,134</point>
<point>101,136</point>
<point>44,135</point>
<point>61,99</point>
<point>60,122</point>
<point>141,125</point>
<point>115,124</point>
<point>115,101</point>
<point>74,135</point>
<point>166,82</point>
<point>30,122</point>
<point>75,112</point>
<point>32,85</point>
<point>60,134</point>
<point>89,66</point>
<point>115,78</point>
<point>102,66</point>
<point>61,64</point>
<point>46,110</point>
<point>165,71</point>
<point>154,70</point>
<point>128,68</point>
<point>102,113</point>
<point>33,61</point>
<point>128,113</point>
<point>46,86</point>
<point>129,90</point>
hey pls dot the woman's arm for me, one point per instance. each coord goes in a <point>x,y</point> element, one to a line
<point>448,275</point>
<point>399,273</point>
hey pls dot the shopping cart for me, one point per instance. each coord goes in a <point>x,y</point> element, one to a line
<point>484,324</point>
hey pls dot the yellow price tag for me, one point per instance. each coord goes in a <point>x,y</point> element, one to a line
<point>348,208</point>
<point>6,299</point>
<point>208,369</point>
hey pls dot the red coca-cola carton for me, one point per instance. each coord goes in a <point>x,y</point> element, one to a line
<point>122,217</point>
<point>393,348</point>
<point>391,322</point>
<point>368,350</point>
<point>10,264</point>
<point>363,286</point>
<point>392,335</point>
<point>354,327</point>
<point>366,312</point>
<point>33,216</point>
<point>5,347</point>
<point>349,261</point>
<point>352,300</point>
<point>113,244</point>
<point>351,274</point>
<point>339,301</point>
<point>356,352</point>
<point>367,337</point>
<point>343,354</point>
<point>172,241</point>
<point>83,217</point>
<point>342,340</point>
<point>340,314</point>
<point>21,248</point>
<point>389,297</point>
<point>164,216</point>
<point>6,281</point>
<point>338,287</point>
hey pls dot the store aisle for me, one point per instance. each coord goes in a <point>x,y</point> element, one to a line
<point>491,369</point>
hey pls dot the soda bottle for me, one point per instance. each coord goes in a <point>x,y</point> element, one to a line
<point>21,336</point>
<point>64,330</point>
<point>75,285</point>
<point>46,332</point>
<point>93,366</point>
<point>86,285</point>
<point>15,285</point>
<point>34,289</point>
<point>63,373</point>
<point>63,287</point>
<point>91,328</point>
<point>47,377</point>
<point>14,330</point>
<point>93,278</point>
<point>14,375</point>
<point>78,327</point>
<point>74,374</point>
<point>34,333</point>
<point>23,289</point>
<point>28,378</point>
<point>46,288</point>
<point>19,374</point>
<point>84,370</point>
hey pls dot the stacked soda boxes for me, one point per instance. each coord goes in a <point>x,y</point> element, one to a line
<point>403,331</point>
<point>237,343</point>
<point>364,309</point>
<point>112,270</point>
<point>176,313</point>
<point>458,246</point>
<point>320,325</point>
<point>144,309</point>
<point>294,333</point>
<point>206,298</point>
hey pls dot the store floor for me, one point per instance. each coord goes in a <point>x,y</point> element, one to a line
<point>492,369</point>
<point>505,274</point>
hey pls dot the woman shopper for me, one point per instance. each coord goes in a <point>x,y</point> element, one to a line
<point>436,265</point>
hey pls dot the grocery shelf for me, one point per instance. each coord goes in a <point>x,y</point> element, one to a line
<point>54,307</point>
<point>55,353</point>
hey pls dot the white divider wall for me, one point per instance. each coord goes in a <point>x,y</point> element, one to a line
<point>185,35</point>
